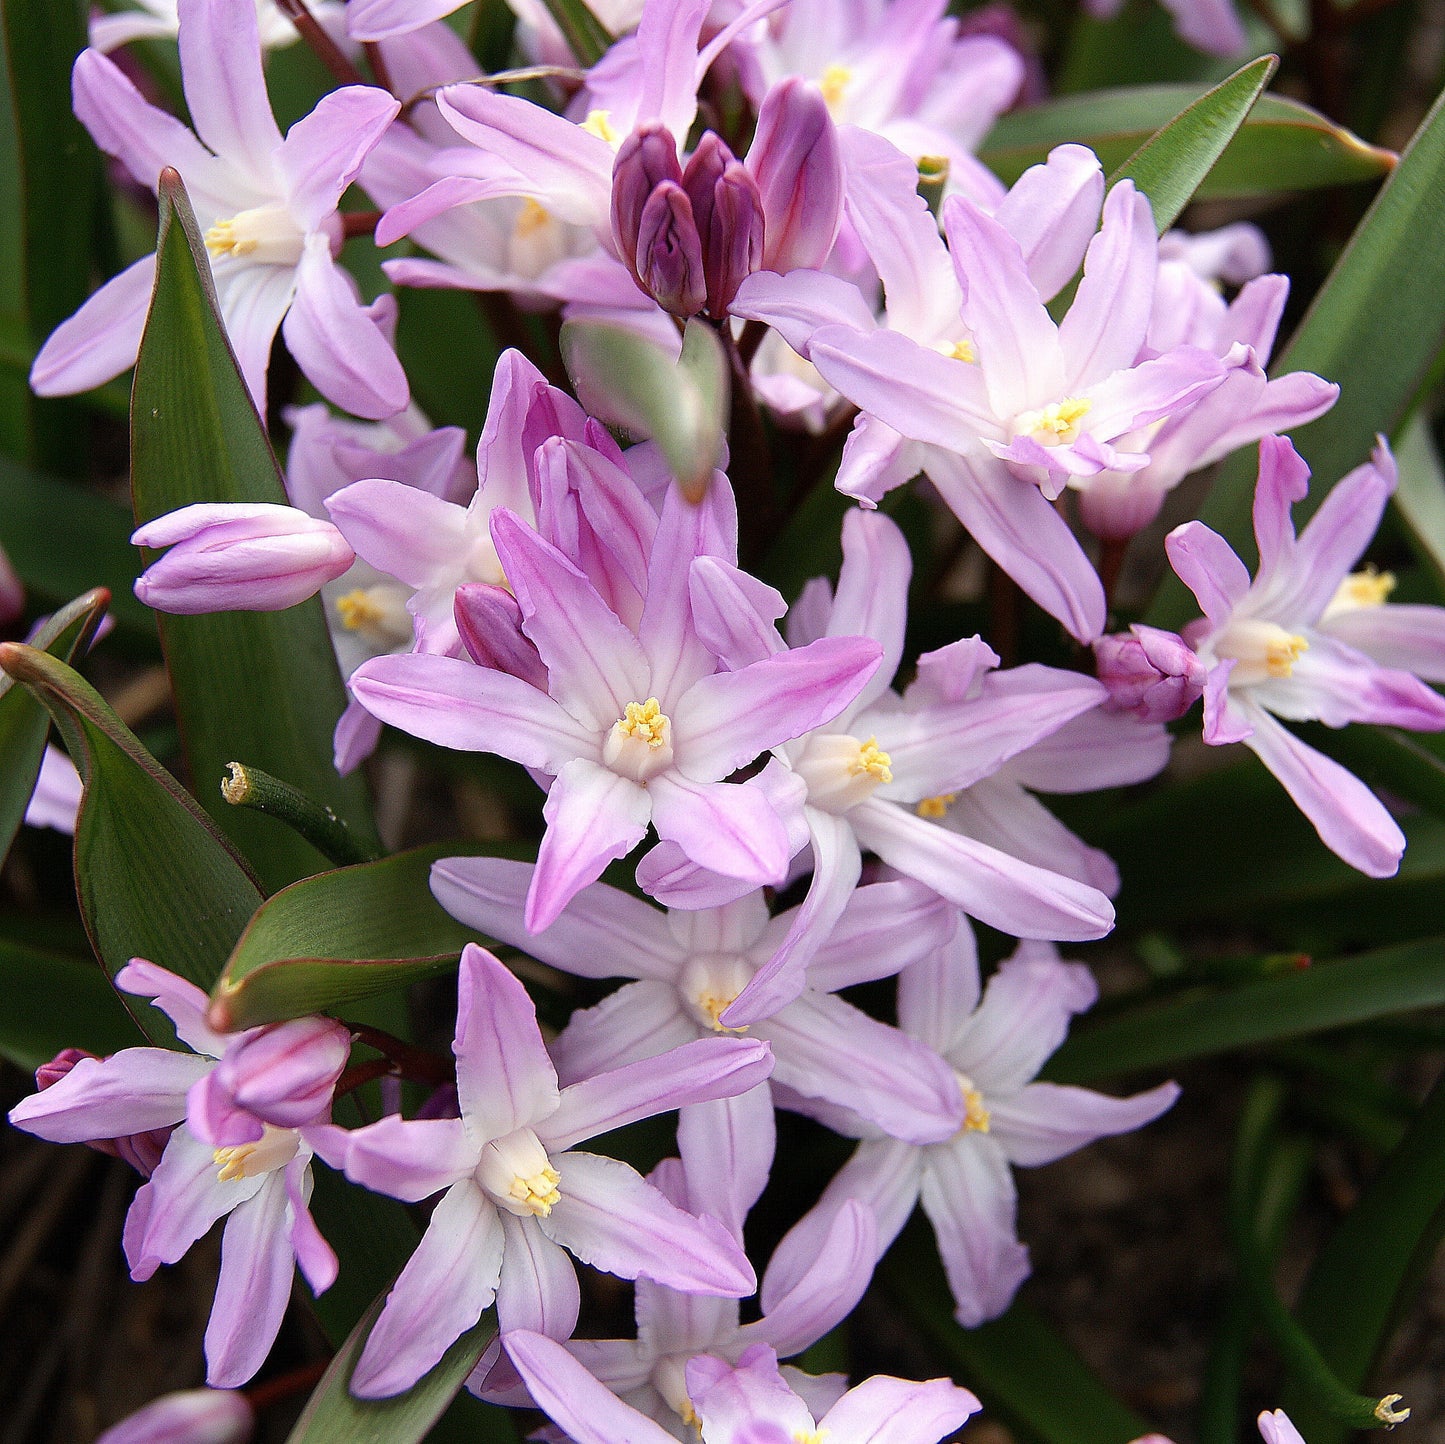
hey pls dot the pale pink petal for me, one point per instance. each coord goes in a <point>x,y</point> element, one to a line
<point>727,827</point>
<point>323,151</point>
<point>132,1091</point>
<point>417,538</point>
<point>253,300</point>
<point>408,1158</point>
<point>1410,638</point>
<point>885,927</point>
<point>538,1288</point>
<point>871,599</point>
<point>801,303</point>
<point>180,1000</point>
<point>1052,211</point>
<point>1207,565</point>
<point>383,19</point>
<point>314,1256</point>
<point>734,613</point>
<point>438,1296</point>
<point>638,1021</point>
<point>101,339</point>
<point>254,1287</point>
<point>884,1410</point>
<point>1046,1121</point>
<point>938,994</point>
<point>727,1150</point>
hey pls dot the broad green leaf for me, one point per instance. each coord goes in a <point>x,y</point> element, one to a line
<point>52,1002</point>
<point>326,941</point>
<point>628,380</point>
<point>1282,146</point>
<point>259,686</point>
<point>1420,496</point>
<point>64,540</point>
<point>1373,1261</point>
<point>24,723</point>
<point>1172,164</point>
<point>1017,1364</point>
<point>1375,327</point>
<point>155,878</point>
<point>1378,984</point>
<point>333,1416</point>
<point>57,177</point>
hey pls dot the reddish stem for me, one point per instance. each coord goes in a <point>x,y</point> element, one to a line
<point>323,46</point>
<point>414,1063</point>
<point>287,1385</point>
<point>359,223</point>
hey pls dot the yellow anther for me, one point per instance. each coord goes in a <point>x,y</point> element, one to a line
<point>1281,655</point>
<point>532,218</point>
<point>934,808</point>
<point>599,123</point>
<point>647,722</point>
<point>231,1162</point>
<point>688,1415</point>
<point>834,84</point>
<point>1368,588</point>
<point>715,1007</point>
<point>358,610</point>
<point>222,240</point>
<point>963,351</point>
<point>1057,424</point>
<point>809,1436</point>
<point>872,762</point>
<point>538,1193</point>
<point>975,1115</point>
<point>1388,1414</point>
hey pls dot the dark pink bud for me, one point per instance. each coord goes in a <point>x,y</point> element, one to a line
<point>47,1075</point>
<point>1151,673</point>
<point>282,1075</point>
<point>795,161</point>
<point>490,622</point>
<point>647,158</point>
<point>141,1150</point>
<point>728,212</point>
<point>669,252</point>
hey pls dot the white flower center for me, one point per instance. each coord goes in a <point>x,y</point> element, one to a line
<point>1262,651</point>
<point>264,235</point>
<point>517,1173</point>
<point>1057,424</point>
<point>841,771</point>
<point>708,985</point>
<point>976,1117</point>
<point>639,745</point>
<point>538,240</point>
<point>378,614</point>
<point>274,1149</point>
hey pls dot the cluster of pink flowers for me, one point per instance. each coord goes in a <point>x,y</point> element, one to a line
<point>564,605</point>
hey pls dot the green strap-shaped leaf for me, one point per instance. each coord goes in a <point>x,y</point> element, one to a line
<point>1375,328</point>
<point>1017,1364</point>
<point>52,210</point>
<point>24,723</point>
<point>333,1416</point>
<point>262,686</point>
<point>1373,1260</point>
<point>586,36</point>
<point>1282,146</point>
<point>1377,984</point>
<point>154,876</point>
<point>52,1002</point>
<point>326,941</point>
<point>1173,163</point>
<point>1420,496</point>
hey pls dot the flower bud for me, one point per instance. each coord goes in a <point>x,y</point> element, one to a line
<point>794,159</point>
<point>238,557</point>
<point>728,212</point>
<point>490,623</point>
<point>283,1075</point>
<point>1150,673</point>
<point>196,1416</point>
<point>669,252</point>
<point>12,592</point>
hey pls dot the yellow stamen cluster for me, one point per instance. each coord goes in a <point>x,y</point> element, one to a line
<point>231,1162</point>
<point>975,1116</point>
<point>1057,424</point>
<point>1363,589</point>
<point>1281,655</point>
<point>715,1006</point>
<point>599,123</point>
<point>645,721</point>
<point>359,610</point>
<point>222,240</point>
<point>872,762</point>
<point>538,1193</point>
<point>531,218</point>
<point>934,808</point>
<point>834,84</point>
<point>809,1436</point>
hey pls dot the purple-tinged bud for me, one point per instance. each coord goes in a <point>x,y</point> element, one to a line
<point>282,1075</point>
<point>794,159</point>
<point>647,158</point>
<point>490,623</point>
<point>728,211</point>
<point>669,253</point>
<point>1153,674</point>
<point>141,1150</point>
<point>12,592</point>
<point>238,557</point>
<point>197,1416</point>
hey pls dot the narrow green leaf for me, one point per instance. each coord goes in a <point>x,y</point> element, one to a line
<point>630,381</point>
<point>154,877</point>
<point>328,940</point>
<point>1282,146</point>
<point>1373,1261</point>
<point>1172,164</point>
<point>1420,496</point>
<point>333,1416</point>
<point>1375,328</point>
<point>262,686</point>
<point>1377,984</point>
<point>58,175</point>
<point>1017,1364</point>
<point>52,1002</point>
<point>586,36</point>
<point>24,723</point>
<point>64,540</point>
